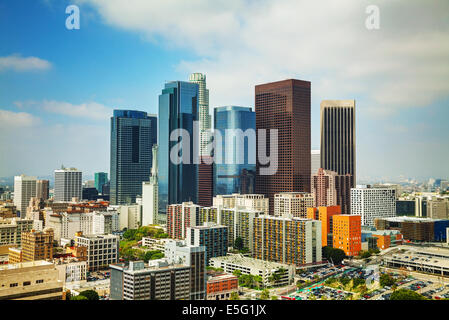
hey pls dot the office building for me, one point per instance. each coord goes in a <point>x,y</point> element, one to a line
<point>405,207</point>
<point>178,112</point>
<point>338,146</point>
<point>33,280</point>
<point>156,281</point>
<point>42,189</point>
<point>11,230</point>
<point>101,178</point>
<point>256,267</point>
<point>203,114</point>
<point>325,215</point>
<point>347,233</point>
<point>194,257</point>
<point>205,181</point>
<point>71,270</point>
<point>292,203</point>
<point>323,188</point>
<point>438,208</point>
<point>285,107</point>
<point>102,250</point>
<point>256,202</point>
<point>211,236</point>
<point>288,240</point>
<point>133,134</point>
<point>235,157</point>
<point>68,184</point>
<point>24,190</point>
<point>444,185</point>
<point>221,287</point>
<point>372,203</point>
<point>315,161</point>
<point>150,204</point>
<point>130,216</point>
<point>37,245</point>
<point>180,217</point>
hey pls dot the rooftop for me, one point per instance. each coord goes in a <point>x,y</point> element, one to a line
<point>250,262</point>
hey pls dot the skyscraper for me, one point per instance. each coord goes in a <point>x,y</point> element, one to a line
<point>237,152</point>
<point>338,137</point>
<point>204,116</point>
<point>315,161</point>
<point>101,178</point>
<point>132,137</point>
<point>150,194</point>
<point>42,188</point>
<point>178,109</point>
<point>285,106</point>
<point>205,181</point>
<point>24,190</point>
<point>68,184</point>
<point>323,188</point>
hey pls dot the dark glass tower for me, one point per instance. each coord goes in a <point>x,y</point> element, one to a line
<point>285,106</point>
<point>178,109</point>
<point>132,137</point>
<point>232,176</point>
<point>338,137</point>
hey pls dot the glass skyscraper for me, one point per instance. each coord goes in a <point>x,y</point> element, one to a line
<point>133,134</point>
<point>101,178</point>
<point>232,175</point>
<point>178,109</point>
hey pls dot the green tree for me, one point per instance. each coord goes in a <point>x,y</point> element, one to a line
<point>78,297</point>
<point>234,296</point>
<point>238,243</point>
<point>90,294</point>
<point>265,294</point>
<point>386,280</point>
<point>129,234</point>
<point>333,254</point>
<point>406,294</point>
<point>237,273</point>
<point>364,254</point>
<point>258,281</point>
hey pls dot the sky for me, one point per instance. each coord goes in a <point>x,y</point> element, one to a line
<point>58,87</point>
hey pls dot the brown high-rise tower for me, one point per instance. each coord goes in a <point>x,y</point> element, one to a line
<point>285,106</point>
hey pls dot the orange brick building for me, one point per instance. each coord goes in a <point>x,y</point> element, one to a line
<point>347,233</point>
<point>220,287</point>
<point>324,214</point>
<point>387,240</point>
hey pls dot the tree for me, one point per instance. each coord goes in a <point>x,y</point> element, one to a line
<point>129,234</point>
<point>333,254</point>
<point>265,294</point>
<point>90,294</point>
<point>238,243</point>
<point>365,254</point>
<point>258,281</point>
<point>406,294</point>
<point>79,297</point>
<point>386,280</point>
<point>237,273</point>
<point>234,296</point>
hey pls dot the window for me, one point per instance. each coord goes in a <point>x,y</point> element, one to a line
<point>11,285</point>
<point>27,283</point>
<point>40,281</point>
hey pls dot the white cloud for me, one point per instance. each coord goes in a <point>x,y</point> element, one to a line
<point>243,43</point>
<point>22,64</point>
<point>88,110</point>
<point>10,119</point>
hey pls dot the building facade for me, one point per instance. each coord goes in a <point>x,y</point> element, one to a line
<point>24,190</point>
<point>338,145</point>
<point>287,240</point>
<point>285,107</point>
<point>211,236</point>
<point>133,134</point>
<point>347,233</point>
<point>178,113</point>
<point>101,178</point>
<point>235,156</point>
<point>68,184</point>
<point>371,203</point>
<point>325,215</point>
<point>102,250</point>
<point>292,203</point>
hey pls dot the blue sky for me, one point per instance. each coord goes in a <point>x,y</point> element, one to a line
<point>59,86</point>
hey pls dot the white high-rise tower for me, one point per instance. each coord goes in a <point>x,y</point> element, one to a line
<point>24,189</point>
<point>204,116</point>
<point>150,206</point>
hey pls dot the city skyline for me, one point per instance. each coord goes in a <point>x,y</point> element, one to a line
<point>51,106</point>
